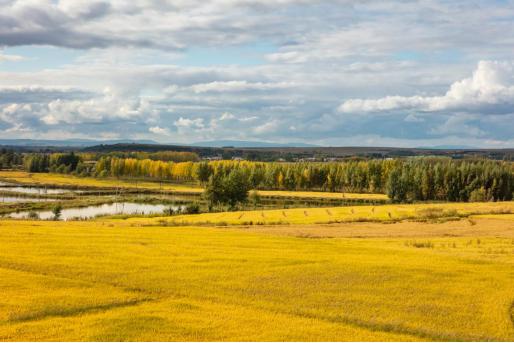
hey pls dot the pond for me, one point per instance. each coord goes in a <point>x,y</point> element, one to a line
<point>9,187</point>
<point>101,210</point>
<point>10,198</point>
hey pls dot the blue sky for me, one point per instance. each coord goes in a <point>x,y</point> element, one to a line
<point>383,73</point>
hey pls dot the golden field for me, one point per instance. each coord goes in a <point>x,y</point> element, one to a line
<point>106,280</point>
<point>359,273</point>
<point>317,215</point>
<point>75,181</point>
<point>324,195</point>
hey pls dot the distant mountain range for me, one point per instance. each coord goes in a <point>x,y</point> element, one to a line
<point>251,144</point>
<point>448,147</point>
<point>83,143</point>
<point>68,142</point>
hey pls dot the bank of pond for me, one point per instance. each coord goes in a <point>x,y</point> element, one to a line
<point>89,212</point>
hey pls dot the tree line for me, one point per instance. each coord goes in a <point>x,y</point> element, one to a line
<point>56,162</point>
<point>404,180</point>
<point>166,156</point>
<point>10,159</point>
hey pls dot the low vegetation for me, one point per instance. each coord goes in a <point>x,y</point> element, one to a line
<point>74,182</point>
<point>405,266</point>
<point>84,281</point>
<point>385,213</point>
<point>403,180</point>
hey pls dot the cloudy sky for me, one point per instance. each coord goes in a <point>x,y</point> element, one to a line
<point>380,73</point>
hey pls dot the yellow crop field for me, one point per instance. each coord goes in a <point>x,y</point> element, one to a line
<point>75,181</point>
<point>333,214</point>
<point>324,195</point>
<point>496,216</point>
<point>109,281</point>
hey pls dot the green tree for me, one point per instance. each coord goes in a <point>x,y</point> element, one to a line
<point>57,211</point>
<point>203,172</point>
<point>228,189</point>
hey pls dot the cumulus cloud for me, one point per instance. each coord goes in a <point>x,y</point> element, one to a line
<point>489,90</point>
<point>159,130</point>
<point>258,69</point>
<point>186,124</point>
<point>157,24</point>
<point>52,106</point>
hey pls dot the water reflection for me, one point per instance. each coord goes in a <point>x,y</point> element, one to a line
<point>101,210</point>
<point>35,190</point>
<point>9,198</point>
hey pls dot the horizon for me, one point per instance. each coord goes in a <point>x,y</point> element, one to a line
<point>337,74</point>
<point>239,144</point>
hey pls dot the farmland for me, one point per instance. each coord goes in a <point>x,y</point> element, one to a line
<point>384,213</point>
<point>60,180</point>
<point>425,271</point>
<point>110,281</point>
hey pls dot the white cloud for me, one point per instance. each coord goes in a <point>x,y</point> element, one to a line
<point>279,70</point>
<point>189,124</point>
<point>489,90</point>
<point>237,86</point>
<point>67,105</point>
<point>159,130</point>
<point>227,116</point>
<point>413,118</point>
<point>11,58</point>
<point>459,124</point>
<point>266,128</point>
<point>18,128</point>
<point>107,107</point>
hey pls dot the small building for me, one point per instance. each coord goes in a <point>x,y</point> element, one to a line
<point>213,158</point>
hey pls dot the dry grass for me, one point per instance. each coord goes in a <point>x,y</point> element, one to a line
<point>108,281</point>
<point>463,228</point>
<point>426,212</point>
<point>325,195</point>
<point>74,181</point>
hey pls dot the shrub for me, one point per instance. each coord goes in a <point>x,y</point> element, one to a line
<point>478,195</point>
<point>169,211</point>
<point>228,189</point>
<point>193,208</point>
<point>254,198</point>
<point>415,244</point>
<point>33,215</point>
<point>57,211</point>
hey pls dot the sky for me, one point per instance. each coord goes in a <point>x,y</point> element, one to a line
<point>334,73</point>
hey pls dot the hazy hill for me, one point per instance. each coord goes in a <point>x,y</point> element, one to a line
<point>249,144</point>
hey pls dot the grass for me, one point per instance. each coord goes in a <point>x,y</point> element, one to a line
<point>355,273</point>
<point>109,281</point>
<point>324,195</point>
<point>61,180</point>
<point>475,227</point>
<point>382,213</point>
<point>506,216</point>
